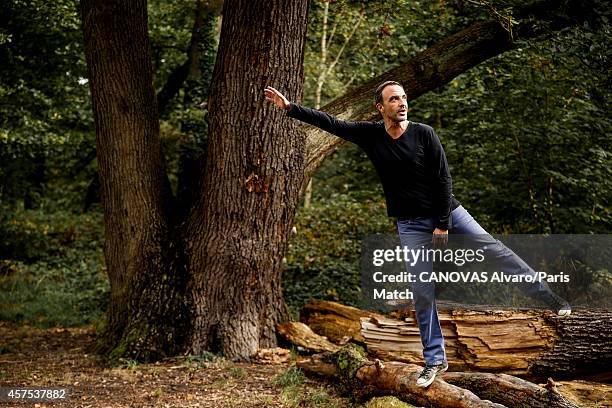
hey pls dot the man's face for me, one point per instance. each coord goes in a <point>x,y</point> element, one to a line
<point>394,104</point>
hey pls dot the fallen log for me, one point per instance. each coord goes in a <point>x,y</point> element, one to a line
<point>508,390</point>
<point>335,321</point>
<point>528,343</point>
<point>367,378</point>
<point>300,335</point>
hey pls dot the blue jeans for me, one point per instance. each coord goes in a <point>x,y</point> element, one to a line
<point>417,233</point>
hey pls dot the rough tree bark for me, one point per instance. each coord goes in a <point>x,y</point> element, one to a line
<point>145,315</point>
<point>238,228</point>
<point>365,378</point>
<point>529,343</point>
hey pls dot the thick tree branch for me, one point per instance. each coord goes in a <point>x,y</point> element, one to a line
<point>442,62</point>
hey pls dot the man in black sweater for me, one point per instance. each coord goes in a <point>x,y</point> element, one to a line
<point>414,173</point>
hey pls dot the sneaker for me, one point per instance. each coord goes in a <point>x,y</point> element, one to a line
<point>429,374</point>
<point>560,305</point>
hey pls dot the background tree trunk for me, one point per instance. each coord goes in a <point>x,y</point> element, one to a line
<point>145,314</point>
<point>237,230</point>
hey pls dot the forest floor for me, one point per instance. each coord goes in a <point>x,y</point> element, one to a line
<point>60,358</point>
<point>32,357</point>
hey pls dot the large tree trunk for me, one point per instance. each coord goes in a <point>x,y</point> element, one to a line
<point>238,229</point>
<point>144,317</point>
<point>529,343</point>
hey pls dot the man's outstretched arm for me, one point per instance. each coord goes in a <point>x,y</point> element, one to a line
<point>348,130</point>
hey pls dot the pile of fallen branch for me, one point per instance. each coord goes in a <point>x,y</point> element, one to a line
<point>372,354</point>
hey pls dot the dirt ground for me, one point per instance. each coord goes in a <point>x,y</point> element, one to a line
<point>58,358</point>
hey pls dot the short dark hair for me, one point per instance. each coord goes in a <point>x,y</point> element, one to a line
<point>379,90</point>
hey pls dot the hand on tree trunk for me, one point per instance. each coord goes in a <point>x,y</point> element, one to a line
<point>277,98</point>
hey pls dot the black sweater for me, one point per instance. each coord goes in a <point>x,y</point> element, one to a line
<point>412,168</point>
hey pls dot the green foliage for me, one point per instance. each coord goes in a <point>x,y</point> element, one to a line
<point>206,356</point>
<point>349,360</point>
<point>53,269</point>
<point>320,399</point>
<point>53,262</point>
<point>170,25</point>
<point>237,373</point>
<point>387,402</point>
<point>527,136</point>
<point>44,99</point>
<point>364,39</point>
<point>128,363</point>
<point>290,377</point>
<point>47,141</point>
<point>323,257</point>
<point>291,397</point>
<point>183,123</point>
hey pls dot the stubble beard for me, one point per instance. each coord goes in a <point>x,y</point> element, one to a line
<point>396,119</point>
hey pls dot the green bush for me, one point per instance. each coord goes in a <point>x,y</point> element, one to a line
<point>323,257</point>
<point>52,272</point>
<point>290,377</point>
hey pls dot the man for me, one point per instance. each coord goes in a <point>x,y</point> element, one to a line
<point>414,173</point>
